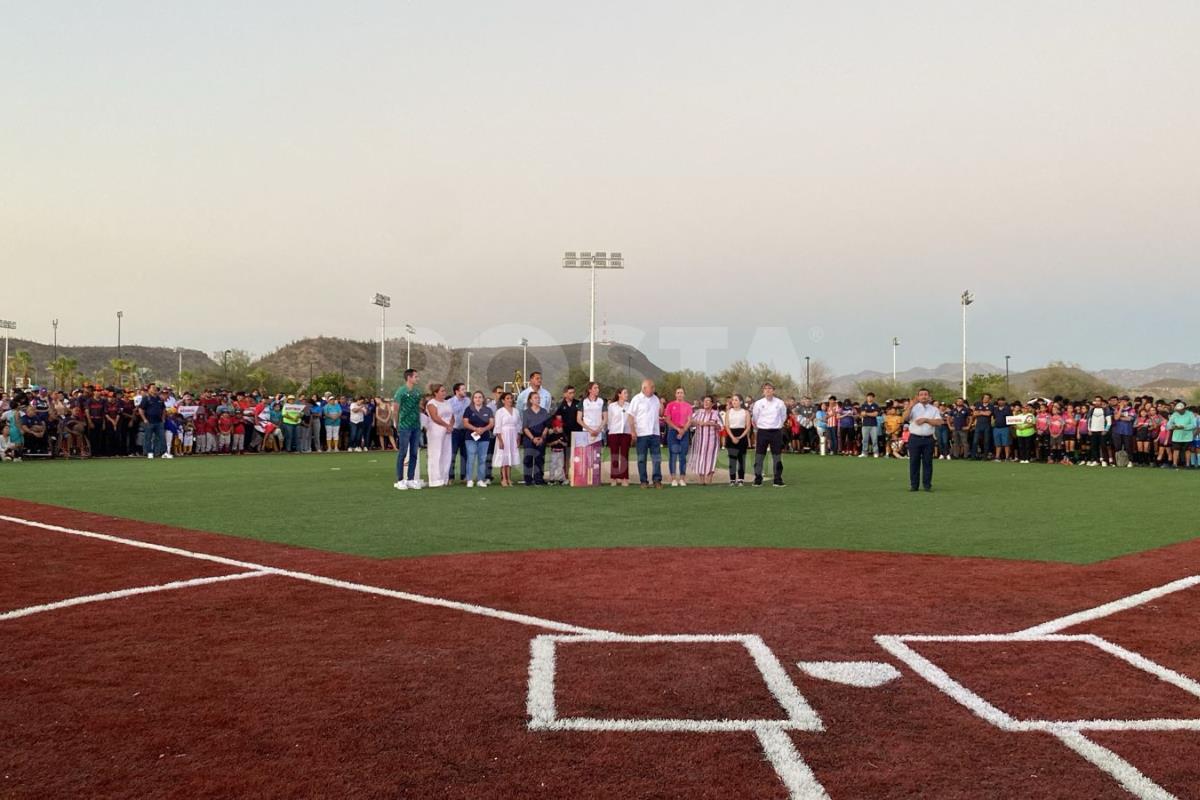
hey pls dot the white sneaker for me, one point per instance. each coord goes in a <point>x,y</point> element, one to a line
<point>416,485</point>
<point>1024,462</point>
<point>149,455</point>
<point>683,483</point>
<point>1104,463</point>
<point>482,484</point>
<point>167,455</point>
<point>1129,466</point>
<point>862,455</point>
<point>470,484</point>
<point>401,485</point>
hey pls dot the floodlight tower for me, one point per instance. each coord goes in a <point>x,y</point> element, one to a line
<point>384,302</point>
<point>966,299</point>
<point>592,261</point>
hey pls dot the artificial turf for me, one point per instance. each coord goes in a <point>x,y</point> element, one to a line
<point>346,503</point>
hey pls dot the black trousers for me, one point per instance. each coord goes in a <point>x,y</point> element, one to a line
<point>534,465</point>
<point>772,439</point>
<point>920,461</point>
<point>97,440</point>
<point>737,457</point>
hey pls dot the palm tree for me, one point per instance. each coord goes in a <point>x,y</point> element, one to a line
<point>20,363</point>
<point>62,368</point>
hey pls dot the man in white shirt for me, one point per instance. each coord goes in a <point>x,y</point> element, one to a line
<point>922,417</point>
<point>535,385</point>
<point>768,414</point>
<point>645,410</point>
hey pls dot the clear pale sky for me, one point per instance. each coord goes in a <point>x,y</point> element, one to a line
<point>243,174</point>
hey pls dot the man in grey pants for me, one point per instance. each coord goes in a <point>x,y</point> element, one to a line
<point>314,425</point>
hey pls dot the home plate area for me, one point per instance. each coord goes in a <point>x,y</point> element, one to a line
<point>215,667</point>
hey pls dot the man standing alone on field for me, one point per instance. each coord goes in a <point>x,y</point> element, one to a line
<point>408,430</point>
<point>922,418</point>
<point>768,415</point>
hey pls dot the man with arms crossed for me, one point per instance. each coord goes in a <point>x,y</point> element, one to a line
<point>768,415</point>
<point>645,409</point>
<point>922,417</point>
<point>408,430</point>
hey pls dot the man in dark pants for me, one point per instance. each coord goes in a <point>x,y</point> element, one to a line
<point>768,415</point>
<point>981,442</point>
<point>922,417</point>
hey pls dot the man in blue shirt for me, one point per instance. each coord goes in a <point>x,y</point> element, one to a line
<point>981,443</point>
<point>960,427</point>
<point>458,437</point>
<point>869,411</point>
<point>151,411</point>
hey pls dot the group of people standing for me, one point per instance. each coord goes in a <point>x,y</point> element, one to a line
<point>504,431</point>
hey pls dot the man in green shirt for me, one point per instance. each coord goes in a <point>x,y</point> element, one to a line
<point>408,431</point>
<point>1182,426</point>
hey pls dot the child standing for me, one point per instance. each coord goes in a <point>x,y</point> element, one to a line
<point>557,443</point>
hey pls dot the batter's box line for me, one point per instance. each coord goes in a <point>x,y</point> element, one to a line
<point>772,734</point>
<point>1070,732</point>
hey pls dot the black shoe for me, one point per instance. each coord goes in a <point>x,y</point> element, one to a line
<point>913,489</point>
<point>758,481</point>
<point>780,483</point>
<point>929,488</point>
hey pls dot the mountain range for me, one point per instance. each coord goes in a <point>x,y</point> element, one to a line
<point>489,365</point>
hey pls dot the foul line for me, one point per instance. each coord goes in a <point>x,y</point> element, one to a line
<point>1116,606</point>
<point>117,595</point>
<point>1129,776</point>
<point>469,608</point>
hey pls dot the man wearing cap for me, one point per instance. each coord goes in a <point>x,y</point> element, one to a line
<point>293,412</point>
<point>151,412</point>
<point>923,417</point>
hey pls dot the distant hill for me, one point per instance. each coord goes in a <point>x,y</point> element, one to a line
<point>489,365</point>
<point>160,363</point>
<point>1167,374</point>
<point>949,373</point>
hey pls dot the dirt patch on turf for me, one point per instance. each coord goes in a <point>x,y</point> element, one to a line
<point>276,688</point>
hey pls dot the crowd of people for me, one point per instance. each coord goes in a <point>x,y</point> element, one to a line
<point>488,434</point>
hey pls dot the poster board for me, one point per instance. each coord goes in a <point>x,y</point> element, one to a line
<point>585,460</point>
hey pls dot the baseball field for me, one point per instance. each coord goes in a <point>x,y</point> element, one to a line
<point>276,626</point>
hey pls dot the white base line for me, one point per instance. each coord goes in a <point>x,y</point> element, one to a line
<point>801,783</point>
<point>1121,770</point>
<point>117,595</point>
<point>1116,606</point>
<point>468,608</point>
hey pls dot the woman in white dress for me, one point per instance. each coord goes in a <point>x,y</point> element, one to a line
<point>441,426</point>
<point>591,417</point>
<point>508,439</point>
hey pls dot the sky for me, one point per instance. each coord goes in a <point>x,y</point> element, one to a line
<point>783,178</point>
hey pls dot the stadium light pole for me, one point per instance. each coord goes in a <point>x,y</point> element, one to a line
<point>409,330</point>
<point>54,324</point>
<point>384,302</point>
<point>1007,390</point>
<point>120,314</point>
<point>593,261</point>
<point>7,325</point>
<point>225,365</point>
<point>468,372</point>
<point>966,299</point>
<point>179,372</point>
<point>808,376</point>
<point>895,347</point>
<point>524,359</point>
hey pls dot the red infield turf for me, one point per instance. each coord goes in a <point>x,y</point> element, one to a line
<point>289,685</point>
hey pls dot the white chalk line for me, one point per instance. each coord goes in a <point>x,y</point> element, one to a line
<point>1129,776</point>
<point>469,608</point>
<point>785,759</point>
<point>120,593</point>
<point>1116,606</point>
<point>542,708</point>
<point>1070,733</point>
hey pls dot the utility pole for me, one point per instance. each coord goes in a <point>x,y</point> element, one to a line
<point>120,314</point>
<point>409,330</point>
<point>1007,389</point>
<point>807,376</point>
<point>895,347</point>
<point>54,324</point>
<point>7,325</point>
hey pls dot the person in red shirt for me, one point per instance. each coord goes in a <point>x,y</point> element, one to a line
<point>224,432</point>
<point>238,442</point>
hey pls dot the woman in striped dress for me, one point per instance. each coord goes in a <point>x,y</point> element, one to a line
<point>706,441</point>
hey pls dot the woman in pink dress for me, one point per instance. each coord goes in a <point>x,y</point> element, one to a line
<point>706,441</point>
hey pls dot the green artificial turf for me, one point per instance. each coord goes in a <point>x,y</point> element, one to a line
<point>346,503</point>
